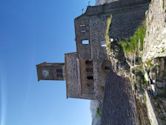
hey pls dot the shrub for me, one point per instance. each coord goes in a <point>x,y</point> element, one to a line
<point>134,43</point>
<point>98,112</point>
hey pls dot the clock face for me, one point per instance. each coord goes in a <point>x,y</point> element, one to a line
<point>45,73</point>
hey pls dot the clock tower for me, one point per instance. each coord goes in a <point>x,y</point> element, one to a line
<point>51,71</point>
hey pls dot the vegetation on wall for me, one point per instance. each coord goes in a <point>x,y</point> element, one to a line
<point>107,37</point>
<point>132,49</point>
<point>135,43</point>
<point>98,112</point>
<point>148,64</point>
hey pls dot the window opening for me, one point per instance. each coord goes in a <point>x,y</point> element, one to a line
<point>83,31</point>
<point>59,73</point>
<point>82,25</point>
<point>102,43</point>
<point>85,42</point>
<point>107,68</point>
<point>90,77</point>
<point>88,62</point>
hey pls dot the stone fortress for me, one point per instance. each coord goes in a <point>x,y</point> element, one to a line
<point>85,71</point>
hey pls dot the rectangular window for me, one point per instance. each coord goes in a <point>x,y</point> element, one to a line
<point>85,42</point>
<point>102,43</point>
<point>89,62</point>
<point>59,71</point>
<point>90,77</point>
<point>82,25</point>
<point>83,31</point>
<point>59,75</point>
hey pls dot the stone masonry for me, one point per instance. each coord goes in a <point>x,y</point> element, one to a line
<point>155,39</point>
<point>85,71</point>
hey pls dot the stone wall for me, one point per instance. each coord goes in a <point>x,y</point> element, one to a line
<point>119,106</point>
<point>151,113</point>
<point>98,51</point>
<point>93,51</point>
<point>125,21</point>
<point>72,76</point>
<point>87,78</point>
<point>126,16</point>
<point>114,6</point>
<point>82,37</point>
<point>155,40</point>
<point>97,36</point>
<point>91,26</point>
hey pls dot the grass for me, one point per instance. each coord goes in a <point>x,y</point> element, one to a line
<point>98,112</point>
<point>131,45</point>
<point>134,43</point>
<point>107,37</point>
<point>132,49</point>
<point>162,50</point>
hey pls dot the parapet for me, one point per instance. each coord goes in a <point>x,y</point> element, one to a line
<point>109,7</point>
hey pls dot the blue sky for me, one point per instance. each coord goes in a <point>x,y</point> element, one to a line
<point>31,32</point>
